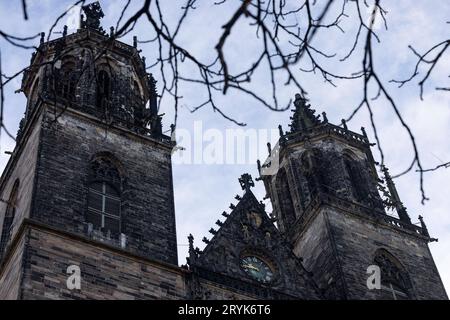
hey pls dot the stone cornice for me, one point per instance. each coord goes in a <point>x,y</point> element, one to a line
<point>357,210</point>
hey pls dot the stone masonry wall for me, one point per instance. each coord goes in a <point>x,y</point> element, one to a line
<point>20,167</point>
<point>316,248</point>
<point>147,210</point>
<point>357,240</point>
<point>11,272</point>
<point>105,274</point>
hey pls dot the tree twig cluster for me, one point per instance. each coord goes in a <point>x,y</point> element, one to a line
<point>286,33</point>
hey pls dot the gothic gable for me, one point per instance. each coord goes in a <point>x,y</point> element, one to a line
<point>248,249</point>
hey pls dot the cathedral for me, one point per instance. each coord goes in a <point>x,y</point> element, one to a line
<point>88,192</point>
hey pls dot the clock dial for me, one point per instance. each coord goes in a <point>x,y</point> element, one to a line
<point>257,269</point>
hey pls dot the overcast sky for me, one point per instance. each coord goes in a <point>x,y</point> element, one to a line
<point>203,191</point>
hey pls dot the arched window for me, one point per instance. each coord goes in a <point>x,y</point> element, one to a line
<point>287,210</point>
<point>9,218</point>
<point>67,81</point>
<point>395,282</point>
<point>104,196</point>
<point>359,187</point>
<point>104,207</point>
<point>103,88</point>
<point>313,169</point>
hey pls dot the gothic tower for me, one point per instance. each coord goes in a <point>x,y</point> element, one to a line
<point>333,208</point>
<point>89,184</point>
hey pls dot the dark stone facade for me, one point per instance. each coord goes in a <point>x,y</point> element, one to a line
<point>92,116</point>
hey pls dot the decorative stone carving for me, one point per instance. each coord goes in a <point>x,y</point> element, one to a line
<point>93,13</point>
<point>391,272</point>
<point>103,169</point>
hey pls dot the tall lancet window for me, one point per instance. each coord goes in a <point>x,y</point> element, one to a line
<point>359,187</point>
<point>285,199</point>
<point>395,283</point>
<point>103,88</point>
<point>67,81</point>
<point>104,196</point>
<point>314,171</point>
<point>9,218</point>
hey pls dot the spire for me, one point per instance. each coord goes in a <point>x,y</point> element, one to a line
<point>401,210</point>
<point>91,18</point>
<point>303,117</point>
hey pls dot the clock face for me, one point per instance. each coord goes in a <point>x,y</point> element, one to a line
<point>257,269</point>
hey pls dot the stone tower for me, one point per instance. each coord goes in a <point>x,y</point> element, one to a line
<point>89,183</point>
<point>332,207</point>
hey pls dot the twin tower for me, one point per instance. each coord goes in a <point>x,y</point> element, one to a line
<point>88,193</point>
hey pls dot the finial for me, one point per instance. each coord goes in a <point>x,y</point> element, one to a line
<point>424,227</point>
<point>111,32</point>
<point>280,130</point>
<point>246,182</point>
<point>135,41</point>
<point>324,116</point>
<point>269,148</point>
<point>344,124</point>
<point>363,130</point>
<point>299,99</point>
<point>143,61</point>
<point>42,37</point>
<point>258,163</point>
<point>64,31</point>
<point>152,82</point>
<point>191,241</point>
